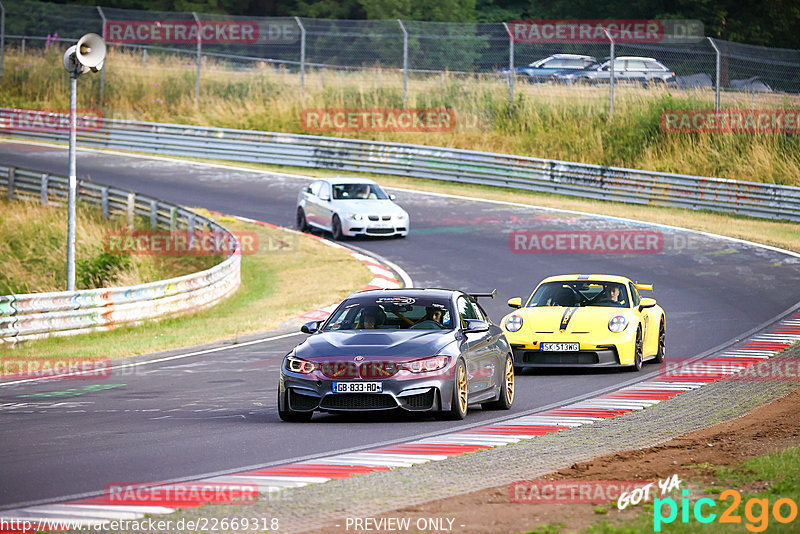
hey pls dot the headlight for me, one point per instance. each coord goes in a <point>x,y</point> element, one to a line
<point>427,365</point>
<point>513,322</point>
<point>355,216</point>
<point>296,365</point>
<point>617,323</point>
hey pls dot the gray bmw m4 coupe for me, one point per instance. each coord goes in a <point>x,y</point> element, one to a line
<point>419,350</point>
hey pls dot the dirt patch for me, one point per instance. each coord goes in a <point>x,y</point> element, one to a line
<point>768,429</point>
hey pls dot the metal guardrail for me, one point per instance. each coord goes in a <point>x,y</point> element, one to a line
<point>419,161</point>
<point>38,315</point>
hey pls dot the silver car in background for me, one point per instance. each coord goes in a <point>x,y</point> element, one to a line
<point>638,70</point>
<point>346,206</point>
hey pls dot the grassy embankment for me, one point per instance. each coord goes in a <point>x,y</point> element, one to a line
<point>558,122</point>
<point>273,290</point>
<point>567,123</point>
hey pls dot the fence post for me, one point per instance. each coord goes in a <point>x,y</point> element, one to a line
<point>11,176</point>
<point>716,81</point>
<point>104,201</point>
<point>23,46</point>
<point>199,53</point>
<point>405,61</point>
<point>173,218</point>
<point>2,38</point>
<point>611,77</point>
<point>511,73</point>
<point>43,190</point>
<point>103,69</point>
<point>130,208</point>
<point>153,214</point>
<point>302,56</point>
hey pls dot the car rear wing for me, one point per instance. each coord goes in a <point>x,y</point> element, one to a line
<point>645,287</point>
<point>476,296</point>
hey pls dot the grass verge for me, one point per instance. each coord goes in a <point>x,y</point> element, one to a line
<point>550,121</point>
<point>275,288</point>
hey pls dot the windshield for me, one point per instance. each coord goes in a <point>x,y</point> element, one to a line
<point>392,313</point>
<point>358,191</point>
<point>580,293</point>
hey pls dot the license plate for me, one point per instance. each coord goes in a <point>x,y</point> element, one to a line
<point>561,347</point>
<point>358,387</point>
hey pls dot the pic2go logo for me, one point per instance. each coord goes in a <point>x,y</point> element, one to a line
<point>756,511</point>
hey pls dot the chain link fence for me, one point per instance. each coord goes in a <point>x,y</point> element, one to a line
<point>406,49</point>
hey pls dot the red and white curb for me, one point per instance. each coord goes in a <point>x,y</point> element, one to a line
<point>738,358</point>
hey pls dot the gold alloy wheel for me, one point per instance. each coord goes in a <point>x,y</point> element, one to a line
<point>461,380</point>
<point>509,381</point>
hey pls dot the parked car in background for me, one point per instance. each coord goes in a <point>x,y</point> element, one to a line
<point>544,69</point>
<point>347,206</point>
<point>628,69</point>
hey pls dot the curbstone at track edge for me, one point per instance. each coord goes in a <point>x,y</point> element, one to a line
<point>383,276</point>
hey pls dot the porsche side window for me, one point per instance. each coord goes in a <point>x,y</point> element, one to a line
<point>634,295</point>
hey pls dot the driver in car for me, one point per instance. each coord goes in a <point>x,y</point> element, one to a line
<point>372,317</point>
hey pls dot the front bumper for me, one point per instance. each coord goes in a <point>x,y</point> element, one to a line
<point>427,394</point>
<point>526,357</point>
<point>374,228</point>
<point>611,350</point>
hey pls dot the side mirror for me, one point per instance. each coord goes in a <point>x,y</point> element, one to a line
<point>476,325</point>
<point>646,303</point>
<point>325,196</point>
<point>516,302</point>
<point>392,196</point>
<point>310,328</point>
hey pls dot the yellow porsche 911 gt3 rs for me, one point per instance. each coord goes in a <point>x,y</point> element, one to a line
<point>592,320</point>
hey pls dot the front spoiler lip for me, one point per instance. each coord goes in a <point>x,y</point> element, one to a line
<point>607,352</point>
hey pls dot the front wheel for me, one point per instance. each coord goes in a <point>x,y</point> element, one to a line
<point>301,223</point>
<point>459,400</point>
<point>506,397</point>
<point>662,342</point>
<point>290,415</point>
<point>336,228</point>
<point>637,352</point>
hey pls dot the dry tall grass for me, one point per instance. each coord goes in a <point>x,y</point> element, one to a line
<point>33,251</point>
<point>560,122</point>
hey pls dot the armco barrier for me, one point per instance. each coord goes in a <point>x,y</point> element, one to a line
<point>39,315</point>
<point>419,161</point>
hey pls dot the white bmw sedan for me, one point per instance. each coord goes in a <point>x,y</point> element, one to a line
<point>347,206</point>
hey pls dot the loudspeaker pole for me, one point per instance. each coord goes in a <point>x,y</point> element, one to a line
<point>86,56</point>
<point>73,181</point>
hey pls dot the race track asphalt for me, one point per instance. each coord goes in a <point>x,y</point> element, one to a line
<point>216,412</point>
